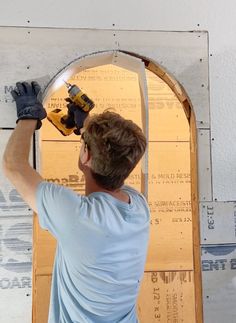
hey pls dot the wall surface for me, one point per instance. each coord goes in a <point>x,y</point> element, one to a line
<point>218,19</point>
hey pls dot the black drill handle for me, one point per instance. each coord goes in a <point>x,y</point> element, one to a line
<point>75,116</point>
<point>68,120</point>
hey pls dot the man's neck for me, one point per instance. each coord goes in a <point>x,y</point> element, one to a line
<point>91,187</point>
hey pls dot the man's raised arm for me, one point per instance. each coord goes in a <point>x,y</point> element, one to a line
<point>16,165</point>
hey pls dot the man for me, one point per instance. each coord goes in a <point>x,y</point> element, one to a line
<point>102,236</point>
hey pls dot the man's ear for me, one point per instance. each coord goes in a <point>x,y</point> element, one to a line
<point>86,157</point>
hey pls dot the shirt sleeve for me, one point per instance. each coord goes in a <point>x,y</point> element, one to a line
<point>56,205</point>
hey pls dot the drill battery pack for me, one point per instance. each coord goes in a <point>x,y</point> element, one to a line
<point>57,117</point>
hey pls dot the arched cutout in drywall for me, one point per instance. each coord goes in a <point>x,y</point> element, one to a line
<point>101,59</point>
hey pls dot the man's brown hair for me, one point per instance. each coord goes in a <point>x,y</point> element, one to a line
<point>116,146</point>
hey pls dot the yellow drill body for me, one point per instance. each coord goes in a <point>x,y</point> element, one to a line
<point>79,98</point>
<point>60,119</point>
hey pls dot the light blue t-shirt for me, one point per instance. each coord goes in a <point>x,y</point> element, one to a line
<point>101,252</point>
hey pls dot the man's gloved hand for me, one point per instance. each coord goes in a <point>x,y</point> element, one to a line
<point>77,115</point>
<point>28,103</point>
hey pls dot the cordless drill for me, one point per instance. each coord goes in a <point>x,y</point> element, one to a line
<point>64,122</point>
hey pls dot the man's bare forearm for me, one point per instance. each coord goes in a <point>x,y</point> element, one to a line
<point>16,154</point>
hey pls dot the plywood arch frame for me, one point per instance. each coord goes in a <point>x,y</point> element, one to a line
<point>181,94</point>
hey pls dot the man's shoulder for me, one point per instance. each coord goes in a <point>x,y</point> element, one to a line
<point>133,191</point>
<point>130,188</point>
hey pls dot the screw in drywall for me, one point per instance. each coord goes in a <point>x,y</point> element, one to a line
<point>28,67</point>
<point>202,85</point>
<point>200,59</point>
<point>210,54</point>
<point>212,139</point>
<point>198,25</point>
<point>113,25</point>
<point>28,21</point>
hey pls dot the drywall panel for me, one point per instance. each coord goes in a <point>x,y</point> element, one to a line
<point>15,249</point>
<point>167,297</point>
<point>219,285</point>
<point>10,200</point>
<point>218,222</point>
<point>180,53</point>
<point>204,165</point>
<point>15,268</point>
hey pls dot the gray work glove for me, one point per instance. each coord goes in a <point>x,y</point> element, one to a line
<point>76,116</point>
<point>28,103</point>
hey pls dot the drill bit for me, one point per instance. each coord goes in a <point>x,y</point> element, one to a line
<point>68,85</point>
